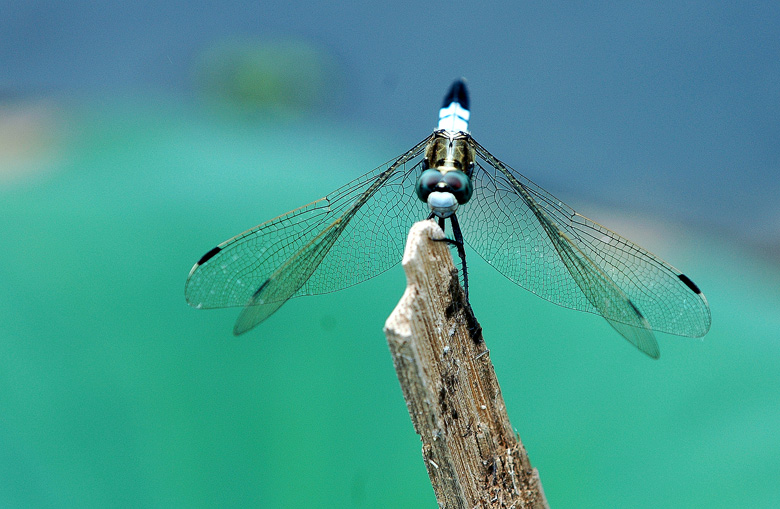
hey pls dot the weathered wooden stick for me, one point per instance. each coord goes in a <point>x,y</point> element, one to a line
<point>473,457</point>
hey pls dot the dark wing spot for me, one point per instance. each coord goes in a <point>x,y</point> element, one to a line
<point>690,284</point>
<point>208,256</point>
<point>636,309</point>
<point>261,288</point>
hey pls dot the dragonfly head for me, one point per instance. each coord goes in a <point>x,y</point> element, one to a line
<point>444,190</point>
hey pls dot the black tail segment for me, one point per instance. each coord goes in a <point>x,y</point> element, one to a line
<point>458,94</point>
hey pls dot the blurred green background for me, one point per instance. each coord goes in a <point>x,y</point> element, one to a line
<point>134,138</point>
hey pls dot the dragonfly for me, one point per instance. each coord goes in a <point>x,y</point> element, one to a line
<point>534,239</point>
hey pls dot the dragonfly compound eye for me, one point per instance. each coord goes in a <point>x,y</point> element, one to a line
<point>460,185</point>
<point>427,183</point>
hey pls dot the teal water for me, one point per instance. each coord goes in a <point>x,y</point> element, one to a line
<point>113,392</point>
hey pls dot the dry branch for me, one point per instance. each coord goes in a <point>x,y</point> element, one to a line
<point>473,457</point>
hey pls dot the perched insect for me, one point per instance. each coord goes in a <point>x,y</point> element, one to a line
<point>528,235</point>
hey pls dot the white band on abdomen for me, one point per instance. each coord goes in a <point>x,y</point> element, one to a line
<point>454,118</point>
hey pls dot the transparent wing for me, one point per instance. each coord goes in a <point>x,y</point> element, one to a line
<point>351,235</point>
<point>543,245</point>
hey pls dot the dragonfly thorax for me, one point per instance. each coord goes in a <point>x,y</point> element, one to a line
<point>445,182</point>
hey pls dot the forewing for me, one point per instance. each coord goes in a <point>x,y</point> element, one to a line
<point>365,240</point>
<point>233,273</point>
<point>515,224</point>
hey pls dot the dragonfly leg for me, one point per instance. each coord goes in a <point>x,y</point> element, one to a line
<point>458,243</point>
<point>441,223</point>
<point>461,252</point>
